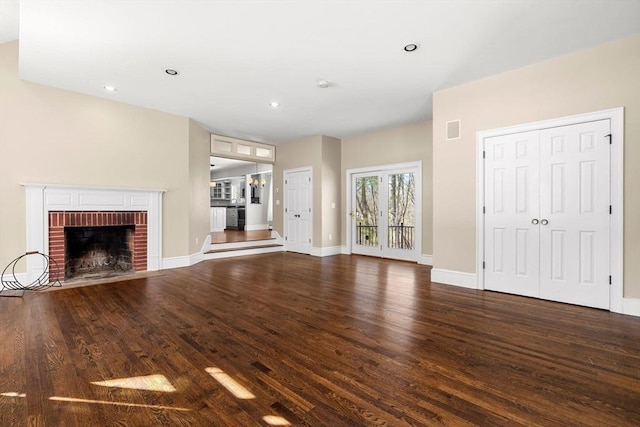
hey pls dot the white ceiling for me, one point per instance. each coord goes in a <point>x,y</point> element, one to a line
<point>220,163</point>
<point>235,57</point>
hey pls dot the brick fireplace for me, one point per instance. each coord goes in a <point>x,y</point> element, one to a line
<point>51,208</point>
<point>103,242</point>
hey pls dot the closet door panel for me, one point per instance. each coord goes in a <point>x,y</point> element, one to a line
<point>574,214</point>
<point>511,210</point>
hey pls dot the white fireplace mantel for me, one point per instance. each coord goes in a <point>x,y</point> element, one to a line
<point>43,198</point>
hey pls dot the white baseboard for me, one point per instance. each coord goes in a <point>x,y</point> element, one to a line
<point>206,244</point>
<point>456,278</point>
<point>186,261</point>
<point>175,262</point>
<point>196,258</point>
<point>344,250</point>
<point>425,259</point>
<point>631,306</point>
<point>326,251</point>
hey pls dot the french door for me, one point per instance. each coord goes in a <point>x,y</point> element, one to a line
<point>547,213</point>
<point>383,215</point>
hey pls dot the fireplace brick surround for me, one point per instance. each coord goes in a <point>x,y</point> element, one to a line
<point>58,220</point>
<point>52,207</point>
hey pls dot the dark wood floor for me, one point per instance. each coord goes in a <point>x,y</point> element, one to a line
<point>288,338</point>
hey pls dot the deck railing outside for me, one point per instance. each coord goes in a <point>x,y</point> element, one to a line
<point>399,236</point>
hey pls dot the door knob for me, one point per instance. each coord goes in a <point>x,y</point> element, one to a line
<point>534,221</point>
<point>544,222</point>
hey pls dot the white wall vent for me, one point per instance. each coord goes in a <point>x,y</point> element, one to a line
<point>453,129</point>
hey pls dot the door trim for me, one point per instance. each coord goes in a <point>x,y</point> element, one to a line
<point>616,250</point>
<point>284,202</point>
<point>385,168</point>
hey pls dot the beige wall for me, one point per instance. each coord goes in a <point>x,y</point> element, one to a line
<point>331,191</point>
<point>297,154</point>
<point>199,201</point>
<point>50,135</point>
<point>403,144</point>
<point>603,77</point>
<point>331,157</point>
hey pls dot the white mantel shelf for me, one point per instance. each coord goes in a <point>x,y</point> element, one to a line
<point>92,187</point>
<point>43,198</point>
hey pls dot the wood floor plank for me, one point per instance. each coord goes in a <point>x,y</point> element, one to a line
<point>13,407</point>
<point>334,341</point>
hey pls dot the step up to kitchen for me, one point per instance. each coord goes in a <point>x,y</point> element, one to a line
<point>227,250</point>
<point>242,248</point>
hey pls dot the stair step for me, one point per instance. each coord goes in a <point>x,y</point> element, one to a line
<point>241,248</point>
<point>241,245</point>
<point>242,251</point>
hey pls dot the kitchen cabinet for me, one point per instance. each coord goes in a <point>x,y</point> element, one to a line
<point>232,217</point>
<point>236,217</point>
<point>221,190</point>
<point>218,219</point>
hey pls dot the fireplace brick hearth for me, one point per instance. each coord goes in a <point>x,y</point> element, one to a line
<point>58,220</point>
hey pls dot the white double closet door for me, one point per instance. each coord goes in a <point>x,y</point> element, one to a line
<point>547,214</point>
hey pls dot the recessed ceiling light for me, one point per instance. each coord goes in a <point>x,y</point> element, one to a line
<point>171,72</point>
<point>110,89</point>
<point>274,104</point>
<point>410,47</point>
<point>323,84</point>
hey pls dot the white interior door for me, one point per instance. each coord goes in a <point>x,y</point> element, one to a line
<point>547,222</point>
<point>574,214</point>
<point>298,211</point>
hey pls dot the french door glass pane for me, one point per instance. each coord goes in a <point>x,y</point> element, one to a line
<point>367,212</point>
<point>401,216</point>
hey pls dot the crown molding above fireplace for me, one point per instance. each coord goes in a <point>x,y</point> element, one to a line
<point>43,198</point>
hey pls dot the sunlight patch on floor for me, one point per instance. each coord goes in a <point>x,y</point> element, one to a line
<point>105,402</point>
<point>13,394</point>
<point>274,420</point>
<point>146,382</point>
<point>230,384</point>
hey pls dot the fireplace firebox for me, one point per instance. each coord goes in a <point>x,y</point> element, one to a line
<point>98,244</point>
<point>98,251</point>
